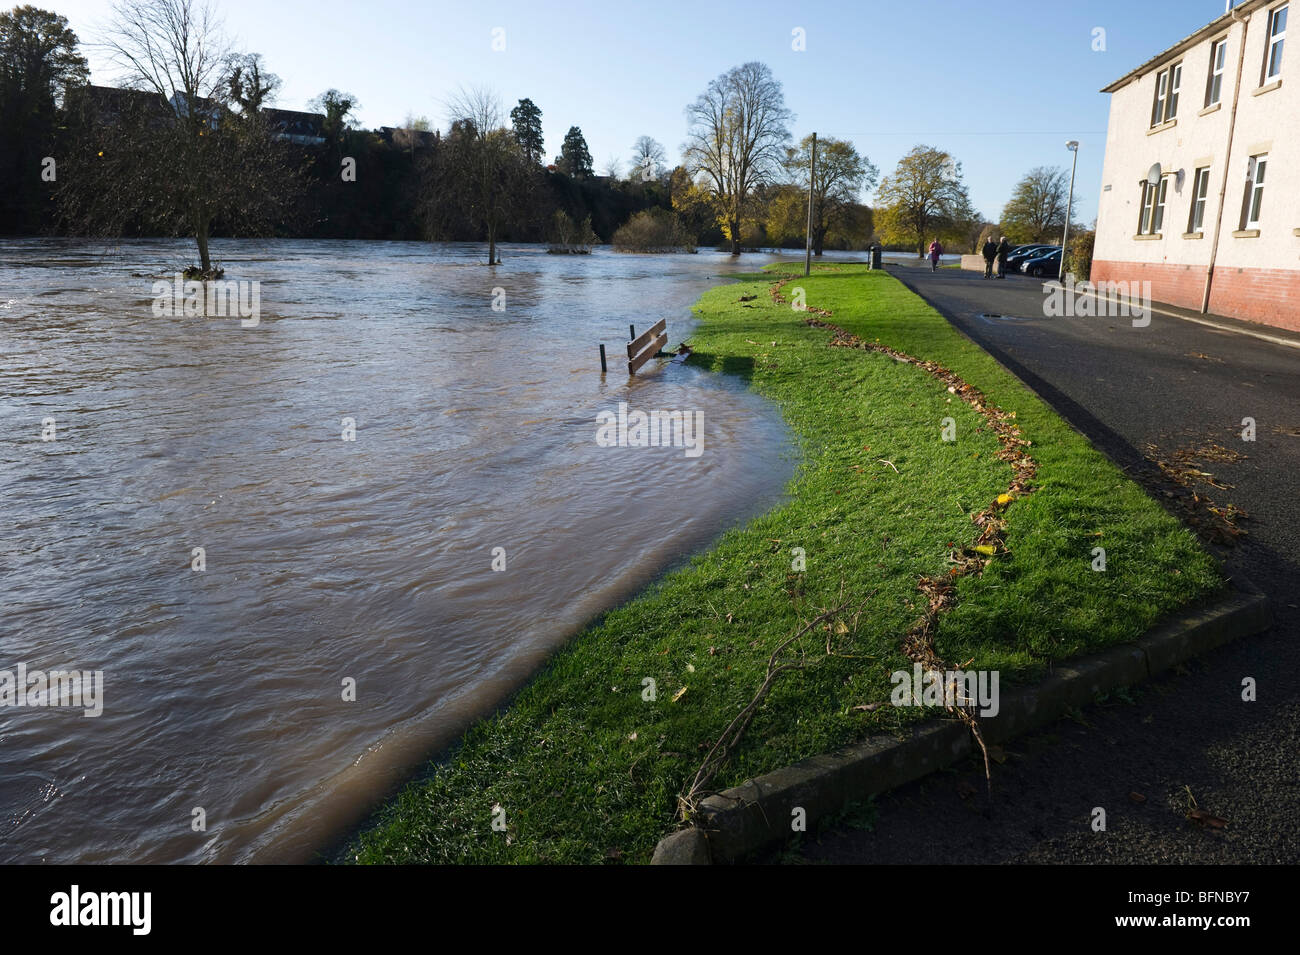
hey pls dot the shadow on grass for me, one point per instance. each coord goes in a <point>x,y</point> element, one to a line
<point>740,365</point>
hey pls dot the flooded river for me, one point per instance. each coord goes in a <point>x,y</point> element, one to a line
<point>400,504</point>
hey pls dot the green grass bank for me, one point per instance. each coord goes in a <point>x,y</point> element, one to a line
<point>585,769</point>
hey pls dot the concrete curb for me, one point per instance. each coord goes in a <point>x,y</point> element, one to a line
<point>757,814</point>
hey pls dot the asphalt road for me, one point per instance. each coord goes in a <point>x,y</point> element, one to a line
<point>1174,385</point>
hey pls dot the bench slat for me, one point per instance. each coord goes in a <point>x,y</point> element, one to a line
<point>654,331</point>
<point>635,363</point>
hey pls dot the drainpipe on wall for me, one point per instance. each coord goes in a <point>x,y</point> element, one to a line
<point>1227,158</point>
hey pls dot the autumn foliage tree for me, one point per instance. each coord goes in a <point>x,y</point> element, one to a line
<point>923,197</point>
<point>842,175</point>
<point>1036,211</point>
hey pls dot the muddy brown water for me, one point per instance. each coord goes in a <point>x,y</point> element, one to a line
<point>326,560</point>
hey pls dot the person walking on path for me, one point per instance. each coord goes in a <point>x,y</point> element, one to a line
<point>1004,249</point>
<point>990,255</point>
<point>936,250</point>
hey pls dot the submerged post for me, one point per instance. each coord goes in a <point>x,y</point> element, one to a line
<point>603,369</point>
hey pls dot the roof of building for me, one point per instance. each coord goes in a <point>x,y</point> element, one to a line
<point>293,115</point>
<point>1204,33</point>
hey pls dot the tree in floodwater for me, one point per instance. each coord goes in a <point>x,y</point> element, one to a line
<point>479,174</point>
<point>168,155</point>
<point>739,128</point>
<point>841,176</point>
<point>39,66</point>
<point>924,197</point>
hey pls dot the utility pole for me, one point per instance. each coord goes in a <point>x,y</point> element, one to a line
<point>812,184</point>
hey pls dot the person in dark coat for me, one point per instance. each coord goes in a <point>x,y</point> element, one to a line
<point>1004,249</point>
<point>936,252</point>
<point>990,255</point>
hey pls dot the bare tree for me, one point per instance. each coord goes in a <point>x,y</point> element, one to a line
<point>649,160</point>
<point>613,167</point>
<point>479,172</point>
<point>176,48</point>
<point>478,106</point>
<point>177,161</point>
<point>739,128</point>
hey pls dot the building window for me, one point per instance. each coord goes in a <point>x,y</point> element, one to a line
<point>1255,191</point>
<point>1218,59</point>
<point>1276,40</point>
<point>1200,192</point>
<point>1153,207</point>
<point>1168,83</point>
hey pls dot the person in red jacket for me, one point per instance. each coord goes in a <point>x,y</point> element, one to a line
<point>936,250</point>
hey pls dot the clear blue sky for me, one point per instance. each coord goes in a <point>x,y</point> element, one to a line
<point>1019,78</point>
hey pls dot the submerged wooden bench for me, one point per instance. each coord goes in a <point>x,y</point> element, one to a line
<point>646,345</point>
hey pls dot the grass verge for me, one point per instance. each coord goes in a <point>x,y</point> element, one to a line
<point>582,768</point>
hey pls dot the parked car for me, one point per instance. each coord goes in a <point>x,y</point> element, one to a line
<point>1048,264</point>
<point>1019,256</point>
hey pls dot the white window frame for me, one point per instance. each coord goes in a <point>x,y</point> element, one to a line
<point>1158,107</point>
<point>1152,219</point>
<point>1169,82</point>
<point>1200,197</point>
<point>1218,61</point>
<point>1255,190</point>
<point>1274,43</point>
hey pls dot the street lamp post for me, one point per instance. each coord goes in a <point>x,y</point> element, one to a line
<point>1073,146</point>
<point>812,189</point>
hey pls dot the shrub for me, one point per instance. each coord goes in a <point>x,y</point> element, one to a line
<point>570,237</point>
<point>653,230</point>
<point>1080,261</point>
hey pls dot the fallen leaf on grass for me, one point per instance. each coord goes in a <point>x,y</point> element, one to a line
<point>867,707</point>
<point>679,694</point>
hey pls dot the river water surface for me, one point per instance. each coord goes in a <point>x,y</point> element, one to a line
<point>326,560</point>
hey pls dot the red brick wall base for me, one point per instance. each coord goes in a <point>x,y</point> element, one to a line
<point>1267,296</point>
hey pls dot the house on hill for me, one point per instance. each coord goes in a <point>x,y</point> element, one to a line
<point>303,129</point>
